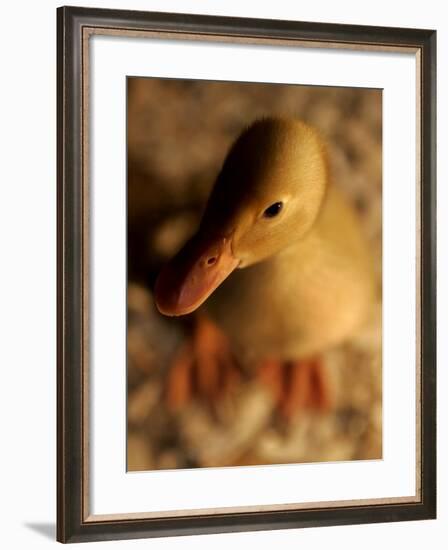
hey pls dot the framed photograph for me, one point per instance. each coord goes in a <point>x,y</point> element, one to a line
<point>246,274</point>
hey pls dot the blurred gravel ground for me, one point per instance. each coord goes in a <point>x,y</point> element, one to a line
<point>178,135</point>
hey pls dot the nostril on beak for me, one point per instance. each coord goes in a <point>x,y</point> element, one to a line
<point>211,260</point>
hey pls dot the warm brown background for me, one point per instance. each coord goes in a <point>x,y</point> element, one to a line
<point>178,135</point>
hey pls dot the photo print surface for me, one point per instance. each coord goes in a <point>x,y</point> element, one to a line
<point>254,274</point>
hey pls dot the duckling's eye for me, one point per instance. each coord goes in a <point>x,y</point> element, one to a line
<point>273,210</point>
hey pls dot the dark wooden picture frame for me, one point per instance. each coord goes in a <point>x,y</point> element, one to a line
<point>75,25</point>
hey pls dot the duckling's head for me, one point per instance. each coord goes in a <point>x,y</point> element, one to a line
<point>267,196</point>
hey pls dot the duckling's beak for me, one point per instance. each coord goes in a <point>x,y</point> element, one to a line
<point>193,274</point>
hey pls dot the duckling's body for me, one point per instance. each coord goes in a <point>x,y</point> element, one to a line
<point>305,299</point>
<point>279,261</point>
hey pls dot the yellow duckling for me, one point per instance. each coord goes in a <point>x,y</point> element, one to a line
<point>302,278</point>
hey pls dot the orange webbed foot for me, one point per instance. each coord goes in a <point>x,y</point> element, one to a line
<point>297,385</point>
<point>204,368</point>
